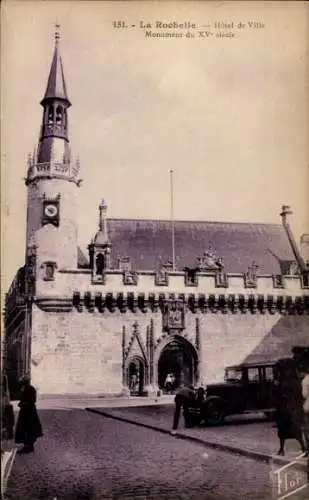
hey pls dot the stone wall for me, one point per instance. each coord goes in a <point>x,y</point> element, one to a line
<point>57,244</point>
<point>82,352</point>
<point>227,339</point>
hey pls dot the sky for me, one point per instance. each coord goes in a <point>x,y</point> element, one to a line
<point>228,114</point>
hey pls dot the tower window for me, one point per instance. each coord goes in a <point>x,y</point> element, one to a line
<point>59,115</point>
<point>100,264</point>
<point>50,115</point>
<point>49,271</point>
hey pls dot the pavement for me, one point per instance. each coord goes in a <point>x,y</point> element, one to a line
<point>82,402</point>
<point>248,438</point>
<point>249,435</point>
<point>84,455</point>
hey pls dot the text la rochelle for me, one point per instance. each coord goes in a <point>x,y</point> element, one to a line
<point>170,25</point>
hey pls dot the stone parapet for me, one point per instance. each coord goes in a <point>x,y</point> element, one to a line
<point>68,281</point>
<point>152,302</point>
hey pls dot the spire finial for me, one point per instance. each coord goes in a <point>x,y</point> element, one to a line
<point>57,32</point>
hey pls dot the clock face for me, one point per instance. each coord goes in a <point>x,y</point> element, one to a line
<point>50,210</point>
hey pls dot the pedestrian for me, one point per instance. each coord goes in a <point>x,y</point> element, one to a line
<point>184,398</point>
<point>289,408</point>
<point>28,427</point>
<point>169,381</point>
<point>305,392</point>
<point>7,412</point>
<point>200,401</point>
<point>133,382</point>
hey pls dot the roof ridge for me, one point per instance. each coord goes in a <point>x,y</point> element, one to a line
<point>200,221</point>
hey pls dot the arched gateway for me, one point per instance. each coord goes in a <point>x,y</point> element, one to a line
<point>178,357</point>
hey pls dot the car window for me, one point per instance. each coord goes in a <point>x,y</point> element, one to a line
<point>253,374</point>
<point>269,373</point>
<point>233,374</point>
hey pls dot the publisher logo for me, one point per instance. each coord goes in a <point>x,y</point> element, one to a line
<point>288,481</point>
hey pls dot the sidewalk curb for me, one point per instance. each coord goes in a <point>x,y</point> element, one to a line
<point>255,455</point>
<point>7,460</point>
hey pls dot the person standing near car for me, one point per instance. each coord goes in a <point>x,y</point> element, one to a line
<point>183,399</point>
<point>289,403</point>
<point>28,427</point>
<point>305,392</point>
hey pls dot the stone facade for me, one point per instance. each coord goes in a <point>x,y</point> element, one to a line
<point>84,336</point>
<point>90,325</point>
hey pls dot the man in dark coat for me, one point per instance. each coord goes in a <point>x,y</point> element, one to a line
<point>7,411</point>
<point>183,399</point>
<point>288,396</point>
<point>28,427</point>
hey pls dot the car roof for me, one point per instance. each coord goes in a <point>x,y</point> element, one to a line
<point>253,365</point>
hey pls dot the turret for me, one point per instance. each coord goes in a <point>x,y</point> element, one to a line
<point>100,246</point>
<point>52,180</point>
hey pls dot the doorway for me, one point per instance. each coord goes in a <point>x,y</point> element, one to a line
<point>178,361</point>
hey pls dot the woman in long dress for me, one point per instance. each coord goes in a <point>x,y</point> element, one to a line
<point>28,427</point>
<point>289,408</point>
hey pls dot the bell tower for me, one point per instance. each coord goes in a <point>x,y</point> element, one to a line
<point>52,180</point>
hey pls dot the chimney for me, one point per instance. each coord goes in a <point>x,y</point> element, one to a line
<point>304,247</point>
<point>285,211</point>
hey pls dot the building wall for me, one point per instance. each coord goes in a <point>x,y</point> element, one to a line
<point>76,353</point>
<point>15,348</point>
<point>57,244</point>
<point>227,339</point>
<point>86,350</point>
<point>82,352</point>
<point>67,282</point>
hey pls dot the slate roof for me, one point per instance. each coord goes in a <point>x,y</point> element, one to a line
<point>82,261</point>
<point>148,244</point>
<point>56,86</point>
<point>288,332</point>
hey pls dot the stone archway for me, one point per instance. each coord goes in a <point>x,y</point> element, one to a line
<point>136,376</point>
<point>178,357</point>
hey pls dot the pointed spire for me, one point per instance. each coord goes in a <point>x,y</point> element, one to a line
<point>103,213</point>
<point>56,87</point>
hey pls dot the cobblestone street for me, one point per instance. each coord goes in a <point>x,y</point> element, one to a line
<point>85,455</point>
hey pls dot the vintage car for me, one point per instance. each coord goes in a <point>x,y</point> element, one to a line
<point>247,388</point>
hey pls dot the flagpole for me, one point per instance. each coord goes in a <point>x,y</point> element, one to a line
<point>172,217</point>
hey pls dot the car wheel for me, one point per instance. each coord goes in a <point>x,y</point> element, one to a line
<point>270,415</point>
<point>214,411</point>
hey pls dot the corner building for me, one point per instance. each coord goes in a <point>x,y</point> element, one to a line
<point>84,324</point>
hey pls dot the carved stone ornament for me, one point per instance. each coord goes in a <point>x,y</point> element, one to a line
<point>161,277</point>
<point>51,209</point>
<point>278,281</point>
<point>209,261</point>
<point>168,265</point>
<point>221,280</point>
<point>98,279</point>
<point>130,278</point>
<point>124,264</point>
<point>30,274</point>
<point>250,277</point>
<point>173,316</point>
<point>191,277</point>
<point>305,280</point>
